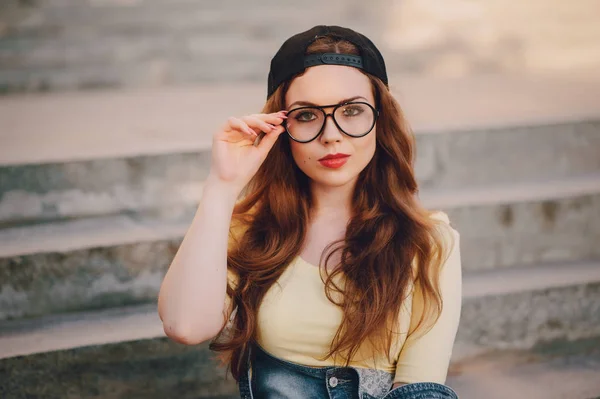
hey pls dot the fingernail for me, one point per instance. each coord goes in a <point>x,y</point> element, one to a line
<point>283,111</point>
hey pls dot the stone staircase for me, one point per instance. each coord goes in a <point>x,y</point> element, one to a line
<point>95,198</point>
<point>57,45</point>
<point>102,164</point>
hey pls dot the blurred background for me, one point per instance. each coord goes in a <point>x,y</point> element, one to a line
<point>107,111</point>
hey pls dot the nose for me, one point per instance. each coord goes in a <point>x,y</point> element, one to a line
<point>330,131</point>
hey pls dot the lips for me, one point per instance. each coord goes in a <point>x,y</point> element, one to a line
<point>334,161</point>
<point>334,156</point>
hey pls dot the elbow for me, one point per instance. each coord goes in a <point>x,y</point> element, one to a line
<point>183,329</point>
<point>187,335</point>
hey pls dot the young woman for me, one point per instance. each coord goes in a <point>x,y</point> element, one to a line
<point>310,264</point>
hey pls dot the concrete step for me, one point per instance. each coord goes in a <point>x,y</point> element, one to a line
<point>86,45</point>
<point>71,45</point>
<point>108,152</point>
<point>103,186</point>
<point>81,126</point>
<point>79,329</point>
<point>562,370</point>
<point>520,224</point>
<point>120,260</point>
<point>150,368</point>
<point>519,308</point>
<point>49,192</point>
<point>502,309</point>
<point>85,264</point>
<point>117,349</point>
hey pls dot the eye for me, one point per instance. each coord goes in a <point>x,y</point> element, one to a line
<point>305,116</point>
<point>353,110</point>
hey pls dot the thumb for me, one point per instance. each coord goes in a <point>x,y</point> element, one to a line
<point>269,139</point>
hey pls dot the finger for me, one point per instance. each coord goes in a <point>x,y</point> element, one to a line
<point>269,139</point>
<point>241,126</point>
<point>275,118</point>
<point>258,124</point>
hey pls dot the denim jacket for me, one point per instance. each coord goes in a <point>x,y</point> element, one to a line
<point>269,377</point>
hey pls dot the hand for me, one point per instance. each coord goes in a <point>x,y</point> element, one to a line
<point>237,153</point>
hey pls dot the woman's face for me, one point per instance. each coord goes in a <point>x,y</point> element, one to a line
<point>325,85</point>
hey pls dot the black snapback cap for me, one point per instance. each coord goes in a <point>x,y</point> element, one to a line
<point>291,57</point>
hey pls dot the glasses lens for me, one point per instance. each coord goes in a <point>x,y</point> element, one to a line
<point>355,119</point>
<point>305,123</point>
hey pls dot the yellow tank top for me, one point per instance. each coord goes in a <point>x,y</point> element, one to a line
<point>296,322</point>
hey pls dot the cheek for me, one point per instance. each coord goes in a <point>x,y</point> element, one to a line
<point>302,154</point>
<point>366,146</point>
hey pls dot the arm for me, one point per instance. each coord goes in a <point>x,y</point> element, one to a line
<point>425,358</point>
<point>192,295</point>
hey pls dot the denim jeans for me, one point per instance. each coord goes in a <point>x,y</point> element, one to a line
<point>268,377</point>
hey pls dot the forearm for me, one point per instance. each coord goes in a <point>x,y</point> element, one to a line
<point>192,294</point>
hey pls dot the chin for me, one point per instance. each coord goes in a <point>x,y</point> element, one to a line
<point>333,179</point>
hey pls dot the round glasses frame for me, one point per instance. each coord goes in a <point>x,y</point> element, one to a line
<point>326,115</point>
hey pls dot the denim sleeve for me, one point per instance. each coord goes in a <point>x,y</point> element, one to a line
<point>426,357</point>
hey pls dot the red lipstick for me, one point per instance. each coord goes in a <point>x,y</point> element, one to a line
<point>334,161</point>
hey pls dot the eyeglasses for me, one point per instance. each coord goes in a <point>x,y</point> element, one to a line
<point>355,119</point>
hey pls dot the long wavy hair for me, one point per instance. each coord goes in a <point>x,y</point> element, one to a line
<point>390,242</point>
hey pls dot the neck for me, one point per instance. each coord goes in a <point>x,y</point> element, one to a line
<point>332,202</point>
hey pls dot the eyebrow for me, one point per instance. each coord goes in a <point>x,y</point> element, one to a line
<point>309,104</point>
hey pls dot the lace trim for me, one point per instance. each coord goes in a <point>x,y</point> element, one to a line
<point>376,383</point>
